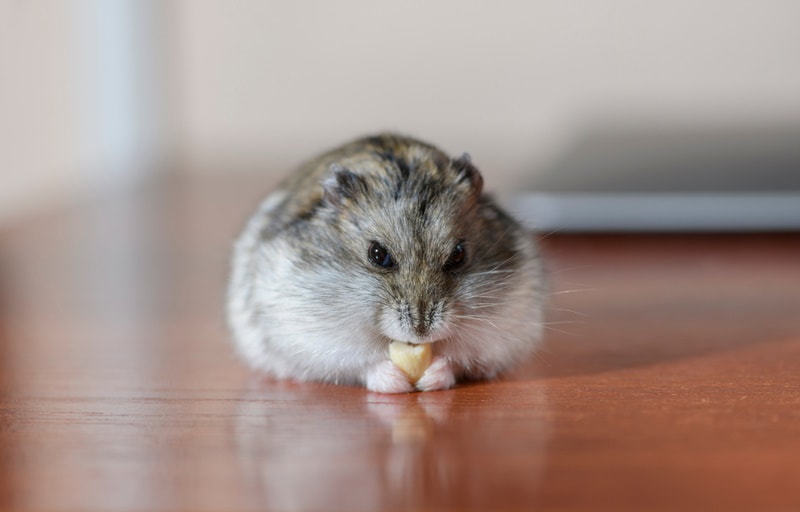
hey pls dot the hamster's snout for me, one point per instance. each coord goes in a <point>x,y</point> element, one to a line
<point>419,321</point>
<point>424,317</point>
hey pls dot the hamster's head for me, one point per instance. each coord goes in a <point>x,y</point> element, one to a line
<point>413,223</point>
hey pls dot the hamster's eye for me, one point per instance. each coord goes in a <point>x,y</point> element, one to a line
<point>380,255</point>
<point>457,257</point>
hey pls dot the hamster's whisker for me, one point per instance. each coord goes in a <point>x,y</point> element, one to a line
<point>493,272</point>
<point>484,306</point>
<point>569,269</point>
<point>547,234</point>
<point>477,318</point>
<point>572,311</point>
<point>484,297</point>
<point>499,265</point>
<point>559,331</point>
<point>574,290</point>
<point>565,322</point>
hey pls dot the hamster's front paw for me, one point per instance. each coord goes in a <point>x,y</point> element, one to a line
<point>439,375</point>
<point>385,377</point>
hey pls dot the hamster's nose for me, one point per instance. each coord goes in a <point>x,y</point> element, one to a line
<point>423,319</point>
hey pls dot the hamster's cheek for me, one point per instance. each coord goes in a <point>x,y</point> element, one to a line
<point>391,325</point>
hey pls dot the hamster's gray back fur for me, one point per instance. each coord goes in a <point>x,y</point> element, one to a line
<point>385,238</point>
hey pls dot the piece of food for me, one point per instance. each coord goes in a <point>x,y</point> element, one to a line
<point>412,359</point>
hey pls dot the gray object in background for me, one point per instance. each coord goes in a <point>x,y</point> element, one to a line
<point>642,178</point>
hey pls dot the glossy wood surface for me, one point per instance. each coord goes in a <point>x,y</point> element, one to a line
<point>669,380</point>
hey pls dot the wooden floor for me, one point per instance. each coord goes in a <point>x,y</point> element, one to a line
<point>669,380</point>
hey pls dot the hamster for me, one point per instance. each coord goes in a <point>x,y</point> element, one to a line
<point>385,238</point>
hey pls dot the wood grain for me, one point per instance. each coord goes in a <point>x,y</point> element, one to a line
<point>669,380</point>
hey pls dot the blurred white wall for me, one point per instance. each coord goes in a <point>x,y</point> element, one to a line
<point>512,82</point>
<point>81,84</point>
<point>102,90</point>
<point>40,154</point>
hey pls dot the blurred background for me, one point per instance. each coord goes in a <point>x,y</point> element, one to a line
<point>684,100</point>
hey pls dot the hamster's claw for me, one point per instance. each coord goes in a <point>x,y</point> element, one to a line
<point>385,377</point>
<point>439,375</point>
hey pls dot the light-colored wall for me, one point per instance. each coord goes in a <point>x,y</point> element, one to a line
<point>257,84</point>
<point>80,99</point>
<point>40,154</point>
<point>511,82</point>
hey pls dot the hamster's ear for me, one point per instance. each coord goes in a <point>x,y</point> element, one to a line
<point>467,174</point>
<point>341,185</point>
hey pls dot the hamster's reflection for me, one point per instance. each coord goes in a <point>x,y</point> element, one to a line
<point>304,446</point>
